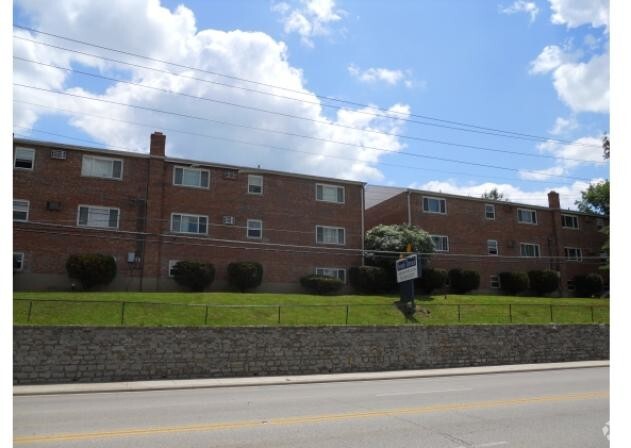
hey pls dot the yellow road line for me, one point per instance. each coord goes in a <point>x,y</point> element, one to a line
<point>308,419</point>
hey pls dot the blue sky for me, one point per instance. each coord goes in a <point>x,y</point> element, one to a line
<point>534,67</point>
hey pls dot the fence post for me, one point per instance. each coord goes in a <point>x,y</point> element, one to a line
<point>122,313</point>
<point>551,315</point>
<point>510,312</point>
<point>347,314</point>
<point>458,312</point>
<point>206,316</point>
<point>278,314</point>
<point>30,307</point>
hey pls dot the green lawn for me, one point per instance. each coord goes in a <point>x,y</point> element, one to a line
<point>235,309</point>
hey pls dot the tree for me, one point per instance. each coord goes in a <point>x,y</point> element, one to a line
<point>605,146</point>
<point>595,199</point>
<point>493,194</point>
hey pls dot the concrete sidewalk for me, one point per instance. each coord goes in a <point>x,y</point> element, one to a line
<point>132,386</point>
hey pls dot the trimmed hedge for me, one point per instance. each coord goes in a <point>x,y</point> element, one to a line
<point>91,269</point>
<point>368,279</point>
<point>543,282</point>
<point>245,275</point>
<point>431,279</point>
<point>589,285</point>
<point>513,282</point>
<point>461,281</point>
<point>193,275</point>
<point>320,284</point>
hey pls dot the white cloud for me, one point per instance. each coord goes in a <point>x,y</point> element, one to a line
<point>587,149</point>
<point>575,13</point>
<point>550,58</point>
<point>564,125</point>
<point>521,6</point>
<point>174,36</point>
<point>385,75</point>
<point>311,19</point>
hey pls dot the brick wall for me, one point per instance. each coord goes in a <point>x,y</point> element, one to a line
<point>74,354</point>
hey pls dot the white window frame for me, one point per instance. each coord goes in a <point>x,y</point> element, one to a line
<point>445,237</point>
<point>522,245</point>
<point>102,207</point>
<point>533,213</point>
<point>337,274</point>
<point>260,229</point>
<point>188,215</point>
<point>429,198</point>
<point>172,264</point>
<point>578,254</point>
<point>22,148</point>
<point>489,247</point>
<point>574,218</point>
<point>486,216</point>
<point>108,159</point>
<point>28,209</point>
<point>252,177</point>
<point>337,233</point>
<point>21,254</point>
<point>337,187</point>
<point>188,168</point>
<point>494,279</point>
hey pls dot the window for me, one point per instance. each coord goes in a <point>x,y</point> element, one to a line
<point>491,246</point>
<point>573,254</point>
<point>440,242</point>
<point>102,217</point>
<point>330,235</point>
<point>20,210</point>
<point>569,221</point>
<point>103,167</point>
<point>337,273</point>
<point>494,281</point>
<point>228,220</point>
<point>172,264</point>
<point>434,205</point>
<point>181,223</point>
<point>191,177</point>
<point>529,250</point>
<point>255,184</point>
<point>18,261</point>
<point>489,211</point>
<point>330,193</point>
<point>255,229</point>
<point>526,216</point>
<point>24,158</point>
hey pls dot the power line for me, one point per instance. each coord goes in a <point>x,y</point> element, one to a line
<point>423,156</point>
<point>298,117</point>
<point>475,128</point>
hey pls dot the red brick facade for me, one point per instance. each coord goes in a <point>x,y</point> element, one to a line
<point>468,230</point>
<point>147,199</point>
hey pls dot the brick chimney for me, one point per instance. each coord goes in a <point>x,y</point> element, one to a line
<point>553,200</point>
<point>158,143</point>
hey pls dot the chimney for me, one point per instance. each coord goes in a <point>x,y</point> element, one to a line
<point>553,200</point>
<point>158,142</point>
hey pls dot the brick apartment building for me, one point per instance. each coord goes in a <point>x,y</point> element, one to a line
<point>150,211</point>
<point>494,236</point>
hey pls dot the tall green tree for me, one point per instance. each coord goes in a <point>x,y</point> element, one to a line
<point>605,146</point>
<point>595,199</point>
<point>493,194</point>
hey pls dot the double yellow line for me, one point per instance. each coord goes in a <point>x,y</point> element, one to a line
<point>310,419</point>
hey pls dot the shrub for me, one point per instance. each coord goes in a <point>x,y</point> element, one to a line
<point>91,269</point>
<point>194,276</point>
<point>543,282</point>
<point>368,279</point>
<point>588,285</point>
<point>431,279</point>
<point>245,275</point>
<point>513,282</point>
<point>319,284</point>
<point>462,281</point>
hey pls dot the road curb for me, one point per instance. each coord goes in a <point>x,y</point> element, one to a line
<point>137,386</point>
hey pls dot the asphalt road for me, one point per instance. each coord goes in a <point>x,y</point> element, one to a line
<point>559,408</point>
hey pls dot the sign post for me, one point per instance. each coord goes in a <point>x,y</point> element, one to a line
<point>407,270</point>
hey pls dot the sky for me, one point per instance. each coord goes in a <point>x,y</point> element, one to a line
<point>453,96</point>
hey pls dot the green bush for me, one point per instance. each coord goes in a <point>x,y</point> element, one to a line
<point>513,282</point>
<point>319,284</point>
<point>245,275</point>
<point>91,269</point>
<point>589,285</point>
<point>461,281</point>
<point>431,279</point>
<point>543,282</point>
<point>368,279</point>
<point>194,276</point>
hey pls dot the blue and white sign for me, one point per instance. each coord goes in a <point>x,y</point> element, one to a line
<point>407,268</point>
